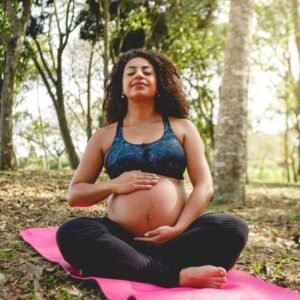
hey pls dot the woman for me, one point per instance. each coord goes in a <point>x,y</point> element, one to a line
<point>154,232</point>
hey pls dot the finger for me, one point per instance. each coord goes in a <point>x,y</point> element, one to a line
<point>143,186</point>
<point>150,242</point>
<point>148,175</point>
<point>147,181</point>
<point>152,233</point>
<point>145,178</point>
<point>144,239</point>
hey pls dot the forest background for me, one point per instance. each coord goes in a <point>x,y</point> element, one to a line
<point>62,51</point>
<point>68,51</point>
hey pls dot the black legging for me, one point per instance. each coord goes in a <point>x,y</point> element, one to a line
<point>101,247</point>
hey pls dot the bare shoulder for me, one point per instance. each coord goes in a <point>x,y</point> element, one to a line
<point>105,136</point>
<point>107,130</point>
<point>185,130</point>
<point>182,124</point>
<point>181,127</point>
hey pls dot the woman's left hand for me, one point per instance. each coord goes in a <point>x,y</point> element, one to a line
<point>159,235</point>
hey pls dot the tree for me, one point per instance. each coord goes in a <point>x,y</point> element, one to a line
<point>83,81</point>
<point>183,30</point>
<point>230,148</point>
<point>279,24</point>
<point>196,42</point>
<point>47,54</point>
<point>18,16</point>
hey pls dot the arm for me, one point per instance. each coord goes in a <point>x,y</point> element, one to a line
<point>200,177</point>
<point>84,192</point>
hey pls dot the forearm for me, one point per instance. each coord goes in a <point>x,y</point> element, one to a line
<point>87,194</point>
<point>194,207</point>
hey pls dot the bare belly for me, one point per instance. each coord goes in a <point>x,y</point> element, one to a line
<point>144,210</point>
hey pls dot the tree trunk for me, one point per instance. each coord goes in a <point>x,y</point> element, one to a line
<point>88,115</point>
<point>65,132</point>
<point>286,147</point>
<point>42,134</point>
<point>105,11</point>
<point>13,48</point>
<point>231,133</point>
<point>61,114</point>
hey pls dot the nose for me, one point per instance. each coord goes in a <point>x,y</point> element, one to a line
<point>139,73</point>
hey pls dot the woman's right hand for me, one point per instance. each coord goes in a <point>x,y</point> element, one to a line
<point>132,181</point>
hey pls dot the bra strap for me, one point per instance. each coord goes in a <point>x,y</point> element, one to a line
<point>120,124</point>
<point>119,133</point>
<point>166,121</point>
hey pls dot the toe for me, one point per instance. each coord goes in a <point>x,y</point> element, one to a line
<point>222,271</point>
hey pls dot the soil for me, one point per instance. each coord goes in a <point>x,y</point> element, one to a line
<point>38,199</point>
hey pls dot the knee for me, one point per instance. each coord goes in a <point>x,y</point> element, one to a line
<point>237,230</point>
<point>70,231</point>
<point>65,232</point>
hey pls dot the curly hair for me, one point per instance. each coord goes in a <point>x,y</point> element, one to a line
<point>170,101</point>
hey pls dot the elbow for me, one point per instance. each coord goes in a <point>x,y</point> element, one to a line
<point>71,198</point>
<point>209,192</point>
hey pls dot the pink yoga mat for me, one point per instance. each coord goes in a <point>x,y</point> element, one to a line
<point>240,285</point>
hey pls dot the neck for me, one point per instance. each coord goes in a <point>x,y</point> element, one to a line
<point>141,113</point>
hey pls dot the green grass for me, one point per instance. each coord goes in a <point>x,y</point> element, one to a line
<point>270,173</point>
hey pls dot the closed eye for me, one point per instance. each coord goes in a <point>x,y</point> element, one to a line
<point>145,73</point>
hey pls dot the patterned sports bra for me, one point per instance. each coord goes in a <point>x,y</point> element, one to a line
<point>164,156</point>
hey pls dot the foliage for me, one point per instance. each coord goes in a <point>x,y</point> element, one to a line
<point>278,33</point>
<point>25,69</point>
<point>186,31</point>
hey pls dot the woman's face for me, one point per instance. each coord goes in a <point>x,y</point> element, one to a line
<point>139,79</point>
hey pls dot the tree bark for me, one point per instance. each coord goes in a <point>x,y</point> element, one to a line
<point>231,134</point>
<point>286,147</point>
<point>44,147</point>
<point>88,114</point>
<point>105,11</point>
<point>13,47</point>
<point>296,21</point>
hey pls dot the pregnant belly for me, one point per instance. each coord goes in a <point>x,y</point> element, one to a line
<point>144,210</point>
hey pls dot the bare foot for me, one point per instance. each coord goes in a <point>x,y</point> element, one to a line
<point>203,277</point>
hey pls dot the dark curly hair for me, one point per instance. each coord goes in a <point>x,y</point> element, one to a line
<point>171,100</point>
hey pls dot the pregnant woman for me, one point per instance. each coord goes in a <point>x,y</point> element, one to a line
<point>154,231</point>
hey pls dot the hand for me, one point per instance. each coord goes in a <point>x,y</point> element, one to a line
<point>132,181</point>
<point>159,235</point>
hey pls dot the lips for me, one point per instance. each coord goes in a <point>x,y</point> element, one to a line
<point>138,83</point>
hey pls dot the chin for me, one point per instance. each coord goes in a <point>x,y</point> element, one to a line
<point>141,97</point>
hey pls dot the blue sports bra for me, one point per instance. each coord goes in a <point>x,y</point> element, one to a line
<point>164,156</point>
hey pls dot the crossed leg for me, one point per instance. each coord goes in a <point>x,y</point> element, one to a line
<point>198,258</point>
<point>208,249</point>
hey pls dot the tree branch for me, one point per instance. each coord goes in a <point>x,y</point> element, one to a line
<point>45,65</point>
<point>44,77</point>
<point>76,116</point>
<point>49,44</point>
<point>56,18</point>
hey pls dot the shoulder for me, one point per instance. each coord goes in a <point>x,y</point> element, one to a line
<point>106,131</point>
<point>103,137</point>
<point>182,124</point>
<point>185,130</point>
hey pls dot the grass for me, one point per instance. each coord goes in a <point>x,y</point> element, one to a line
<point>33,199</point>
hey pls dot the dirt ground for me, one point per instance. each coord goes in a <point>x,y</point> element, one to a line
<point>32,199</point>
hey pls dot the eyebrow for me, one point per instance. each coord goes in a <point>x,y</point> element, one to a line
<point>134,67</point>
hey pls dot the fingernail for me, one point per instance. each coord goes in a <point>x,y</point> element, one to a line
<point>146,234</point>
